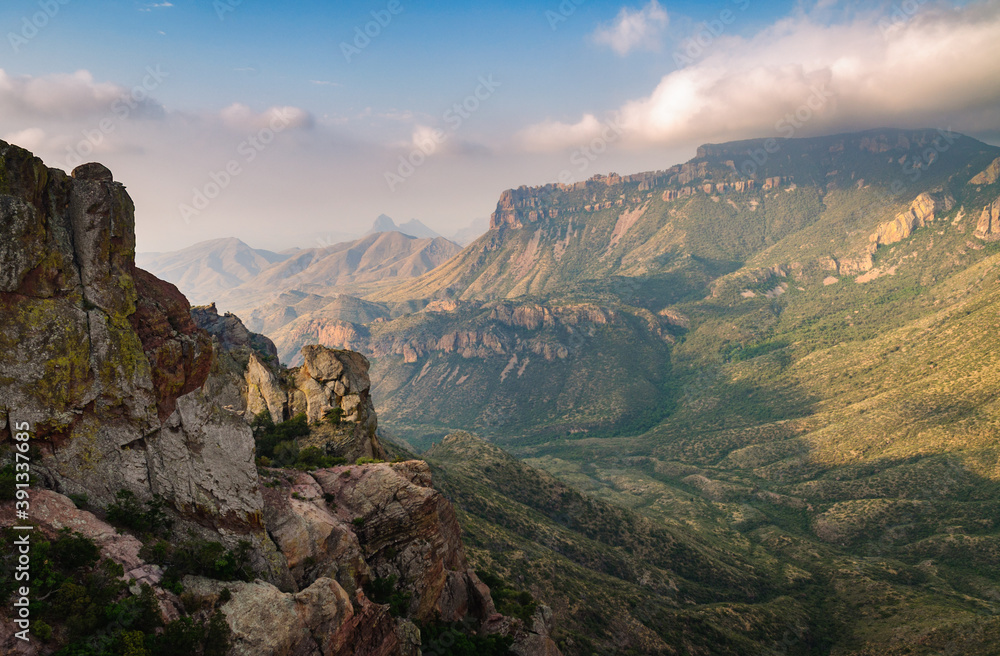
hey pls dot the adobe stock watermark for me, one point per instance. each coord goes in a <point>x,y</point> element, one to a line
<point>914,169</point>
<point>787,127</point>
<point>121,109</point>
<point>899,14</point>
<point>562,13</point>
<point>247,151</point>
<point>583,157</point>
<point>693,48</point>
<point>223,7</point>
<point>454,117</point>
<point>363,35</point>
<point>32,25</point>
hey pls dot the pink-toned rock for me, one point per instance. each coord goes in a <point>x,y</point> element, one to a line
<point>408,530</point>
<point>54,512</point>
<point>315,542</point>
<point>322,620</point>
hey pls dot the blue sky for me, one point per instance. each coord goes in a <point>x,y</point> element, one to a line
<point>558,74</point>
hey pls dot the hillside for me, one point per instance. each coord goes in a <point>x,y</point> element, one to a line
<point>206,270</point>
<point>572,282</point>
<point>655,557</point>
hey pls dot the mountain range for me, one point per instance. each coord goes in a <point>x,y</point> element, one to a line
<point>743,405</point>
<point>795,364</point>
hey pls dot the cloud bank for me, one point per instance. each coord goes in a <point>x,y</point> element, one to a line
<point>940,66</point>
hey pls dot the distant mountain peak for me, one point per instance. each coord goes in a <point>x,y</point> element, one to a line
<point>383,223</point>
<point>412,228</point>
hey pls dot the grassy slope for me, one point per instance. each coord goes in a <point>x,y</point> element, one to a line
<point>849,431</point>
<point>837,444</point>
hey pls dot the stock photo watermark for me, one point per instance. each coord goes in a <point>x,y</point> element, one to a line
<point>219,180</point>
<point>693,48</point>
<point>583,157</point>
<point>363,35</point>
<point>35,23</point>
<point>562,13</point>
<point>121,109</point>
<point>223,7</point>
<point>787,127</point>
<point>21,611</point>
<point>899,14</point>
<point>432,139</point>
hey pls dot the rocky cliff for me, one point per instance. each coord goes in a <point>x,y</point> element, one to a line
<point>921,212</point>
<point>250,380</point>
<point>103,360</point>
<point>139,408</point>
<point>988,227</point>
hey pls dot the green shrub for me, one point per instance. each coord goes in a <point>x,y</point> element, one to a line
<point>334,416</point>
<point>79,500</point>
<point>42,630</point>
<point>268,435</point>
<point>383,591</point>
<point>201,558</point>
<point>440,638</point>
<point>508,600</point>
<point>150,517</point>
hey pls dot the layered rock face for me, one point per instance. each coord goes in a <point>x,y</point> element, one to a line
<point>346,527</point>
<point>332,379</point>
<point>103,360</point>
<point>355,524</point>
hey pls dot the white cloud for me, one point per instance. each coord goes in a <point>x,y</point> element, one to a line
<point>61,96</point>
<point>634,29</point>
<point>240,117</point>
<point>555,135</point>
<point>158,5</point>
<point>941,68</point>
<point>30,138</point>
<point>428,139</point>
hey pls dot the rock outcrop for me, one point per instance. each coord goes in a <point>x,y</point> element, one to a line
<point>922,211</point>
<point>332,379</point>
<point>122,388</point>
<point>230,333</point>
<point>102,359</point>
<point>988,176</point>
<point>323,619</point>
<point>248,380</point>
<point>988,228</point>
<point>378,521</point>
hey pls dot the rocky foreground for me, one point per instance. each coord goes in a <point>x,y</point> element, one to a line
<point>141,410</point>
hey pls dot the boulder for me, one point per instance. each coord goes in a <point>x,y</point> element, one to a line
<point>322,620</point>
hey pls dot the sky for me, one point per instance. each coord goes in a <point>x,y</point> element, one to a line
<point>296,124</point>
